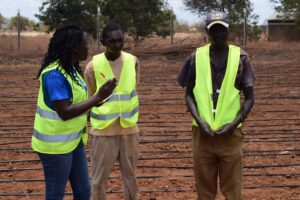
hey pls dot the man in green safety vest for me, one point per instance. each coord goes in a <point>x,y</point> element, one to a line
<point>214,75</point>
<point>114,128</point>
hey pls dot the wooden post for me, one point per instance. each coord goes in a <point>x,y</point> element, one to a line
<point>18,29</point>
<point>98,28</point>
<point>172,26</point>
<point>245,28</point>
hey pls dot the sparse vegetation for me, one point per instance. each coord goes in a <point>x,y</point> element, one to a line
<point>165,152</point>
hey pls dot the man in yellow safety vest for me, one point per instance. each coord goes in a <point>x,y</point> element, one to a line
<point>114,129</point>
<point>214,75</point>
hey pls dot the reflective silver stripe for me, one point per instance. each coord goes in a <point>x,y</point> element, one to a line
<point>115,115</point>
<point>51,115</point>
<point>130,114</point>
<point>47,114</point>
<point>57,138</point>
<point>104,117</point>
<point>122,97</point>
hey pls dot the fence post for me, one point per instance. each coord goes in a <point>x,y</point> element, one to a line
<point>245,28</point>
<point>172,26</point>
<point>98,28</point>
<point>18,29</point>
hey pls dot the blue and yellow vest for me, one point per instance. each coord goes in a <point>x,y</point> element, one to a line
<point>51,134</point>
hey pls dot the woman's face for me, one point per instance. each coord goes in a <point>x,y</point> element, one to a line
<point>81,50</point>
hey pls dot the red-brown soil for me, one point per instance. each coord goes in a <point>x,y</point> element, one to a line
<point>271,143</point>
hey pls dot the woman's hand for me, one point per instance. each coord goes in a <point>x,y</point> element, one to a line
<point>67,111</point>
<point>106,89</point>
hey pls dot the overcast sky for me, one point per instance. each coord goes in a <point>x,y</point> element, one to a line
<point>28,8</point>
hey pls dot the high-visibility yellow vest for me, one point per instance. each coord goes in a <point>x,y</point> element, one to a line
<point>51,134</point>
<point>124,104</point>
<point>228,104</point>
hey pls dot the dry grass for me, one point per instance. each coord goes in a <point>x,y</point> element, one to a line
<point>29,44</point>
<point>34,43</point>
<point>34,46</point>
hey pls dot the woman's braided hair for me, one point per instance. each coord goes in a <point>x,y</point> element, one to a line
<point>60,49</point>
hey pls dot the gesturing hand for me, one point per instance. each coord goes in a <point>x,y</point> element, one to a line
<point>106,89</point>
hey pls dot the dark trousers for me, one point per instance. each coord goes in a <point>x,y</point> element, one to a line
<point>218,157</point>
<point>59,168</point>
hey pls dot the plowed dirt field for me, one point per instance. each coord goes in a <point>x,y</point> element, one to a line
<point>272,130</point>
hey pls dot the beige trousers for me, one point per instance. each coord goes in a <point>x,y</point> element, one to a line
<point>105,150</point>
<point>219,156</point>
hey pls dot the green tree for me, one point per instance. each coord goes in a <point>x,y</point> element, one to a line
<point>54,13</point>
<point>289,9</point>
<point>25,23</point>
<point>138,17</point>
<point>254,32</point>
<point>164,24</point>
<point>235,9</point>
<point>41,27</point>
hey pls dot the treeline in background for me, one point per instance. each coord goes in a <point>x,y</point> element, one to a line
<point>145,18</point>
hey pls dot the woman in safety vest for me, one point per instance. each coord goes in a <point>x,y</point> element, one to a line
<point>60,131</point>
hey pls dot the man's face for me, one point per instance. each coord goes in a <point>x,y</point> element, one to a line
<point>114,41</point>
<point>218,35</point>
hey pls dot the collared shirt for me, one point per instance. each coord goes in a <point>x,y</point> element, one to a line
<point>245,76</point>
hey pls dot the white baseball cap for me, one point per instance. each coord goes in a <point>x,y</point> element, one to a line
<point>217,18</point>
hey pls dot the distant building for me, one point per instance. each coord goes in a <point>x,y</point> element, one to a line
<point>282,29</point>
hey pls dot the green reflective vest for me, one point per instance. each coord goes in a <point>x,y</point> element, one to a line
<point>124,103</point>
<point>51,134</point>
<point>228,104</point>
